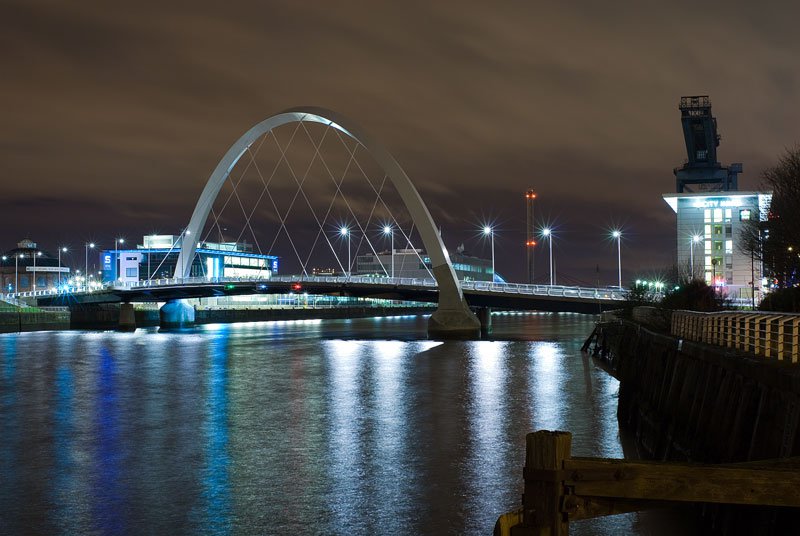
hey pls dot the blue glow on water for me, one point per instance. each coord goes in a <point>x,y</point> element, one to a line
<point>109,488</point>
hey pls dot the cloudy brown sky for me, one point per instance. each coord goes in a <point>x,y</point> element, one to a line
<point>113,115</point>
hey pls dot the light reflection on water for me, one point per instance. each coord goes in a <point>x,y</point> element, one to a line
<point>318,427</point>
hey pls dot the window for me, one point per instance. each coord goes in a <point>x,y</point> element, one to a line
<point>24,282</point>
<point>708,230</point>
<point>729,230</point>
<point>707,215</point>
<point>131,272</point>
<point>708,246</point>
<point>717,245</point>
<point>744,214</point>
<point>729,246</point>
<point>717,214</point>
<point>130,258</point>
<point>728,214</point>
<point>718,229</point>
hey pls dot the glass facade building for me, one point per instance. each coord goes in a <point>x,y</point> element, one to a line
<point>157,256</point>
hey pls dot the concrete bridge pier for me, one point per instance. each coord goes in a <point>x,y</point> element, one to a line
<point>453,319</point>
<point>127,317</point>
<point>176,314</point>
<point>484,314</point>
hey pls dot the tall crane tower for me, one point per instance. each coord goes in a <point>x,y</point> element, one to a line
<point>702,169</point>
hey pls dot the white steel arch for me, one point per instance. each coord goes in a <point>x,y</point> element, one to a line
<point>453,314</point>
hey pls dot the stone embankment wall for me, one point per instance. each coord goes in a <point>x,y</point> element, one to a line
<point>16,319</point>
<point>687,401</point>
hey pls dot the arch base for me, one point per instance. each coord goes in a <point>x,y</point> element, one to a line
<point>454,324</point>
<point>176,314</point>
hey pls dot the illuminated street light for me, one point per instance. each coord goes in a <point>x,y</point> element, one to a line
<point>388,230</point>
<point>547,233</point>
<point>346,232</point>
<point>87,247</point>
<point>17,257</point>
<point>117,242</point>
<point>37,254</point>
<point>487,231</point>
<point>695,239</point>
<point>60,250</point>
<point>618,235</point>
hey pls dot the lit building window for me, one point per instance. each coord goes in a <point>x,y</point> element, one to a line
<point>728,214</point>
<point>708,246</point>
<point>708,230</point>
<point>729,246</point>
<point>707,215</point>
<point>717,214</point>
<point>744,214</point>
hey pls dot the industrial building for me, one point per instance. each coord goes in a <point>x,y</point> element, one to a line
<point>28,267</point>
<point>157,256</point>
<point>710,220</point>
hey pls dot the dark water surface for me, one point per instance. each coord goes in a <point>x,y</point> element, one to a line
<point>307,427</point>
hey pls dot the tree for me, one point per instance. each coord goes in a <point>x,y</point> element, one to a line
<point>783,224</point>
<point>776,241</point>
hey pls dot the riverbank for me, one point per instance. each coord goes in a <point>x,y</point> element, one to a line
<point>15,319</point>
<point>695,402</point>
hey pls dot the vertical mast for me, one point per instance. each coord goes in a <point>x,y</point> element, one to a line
<point>530,231</point>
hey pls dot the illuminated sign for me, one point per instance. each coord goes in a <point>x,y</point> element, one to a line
<point>719,202</point>
<point>106,262</point>
<point>275,265</point>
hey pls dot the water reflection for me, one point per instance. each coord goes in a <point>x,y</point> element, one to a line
<point>335,427</point>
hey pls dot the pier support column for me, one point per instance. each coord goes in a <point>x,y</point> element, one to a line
<point>484,314</point>
<point>127,317</point>
<point>176,314</point>
<point>453,319</point>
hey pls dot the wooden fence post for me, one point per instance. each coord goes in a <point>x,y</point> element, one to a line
<point>545,453</point>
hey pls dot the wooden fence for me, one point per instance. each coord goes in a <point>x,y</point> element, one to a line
<point>765,334</point>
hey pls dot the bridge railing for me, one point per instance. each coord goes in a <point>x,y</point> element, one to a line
<point>560,291</point>
<point>774,335</point>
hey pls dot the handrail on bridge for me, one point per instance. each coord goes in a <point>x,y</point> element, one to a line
<point>759,332</point>
<point>480,286</point>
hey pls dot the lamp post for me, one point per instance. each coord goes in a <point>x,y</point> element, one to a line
<point>547,233</point>
<point>695,240</point>
<point>87,246</point>
<point>117,264</point>
<point>618,235</point>
<point>16,272</point>
<point>61,249</point>
<point>36,254</point>
<point>5,258</point>
<point>346,232</point>
<point>488,231</point>
<point>388,230</point>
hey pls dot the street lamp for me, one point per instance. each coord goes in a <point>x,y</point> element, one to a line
<point>118,264</point>
<point>618,235</point>
<point>487,231</point>
<point>87,247</point>
<point>16,272</point>
<point>37,254</point>
<point>547,233</point>
<point>346,232</point>
<point>59,264</point>
<point>695,239</point>
<point>388,230</point>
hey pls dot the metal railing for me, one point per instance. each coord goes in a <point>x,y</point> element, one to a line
<point>773,335</point>
<point>559,291</point>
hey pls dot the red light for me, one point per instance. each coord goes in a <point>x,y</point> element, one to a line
<point>296,286</point>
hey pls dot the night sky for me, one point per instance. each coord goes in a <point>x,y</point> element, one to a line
<point>113,117</point>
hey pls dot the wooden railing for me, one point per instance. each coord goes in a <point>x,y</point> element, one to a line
<point>773,335</point>
<point>560,488</point>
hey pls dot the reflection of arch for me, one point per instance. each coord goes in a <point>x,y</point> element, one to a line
<point>453,314</point>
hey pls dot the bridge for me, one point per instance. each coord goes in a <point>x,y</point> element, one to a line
<point>408,217</point>
<point>479,294</point>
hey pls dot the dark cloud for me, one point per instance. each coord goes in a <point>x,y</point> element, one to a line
<point>114,116</point>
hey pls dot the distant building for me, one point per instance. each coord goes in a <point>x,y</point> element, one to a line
<point>157,256</point>
<point>414,263</point>
<point>27,267</point>
<point>709,226</point>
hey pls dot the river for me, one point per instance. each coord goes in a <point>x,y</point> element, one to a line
<point>303,427</point>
